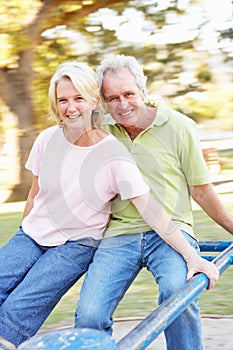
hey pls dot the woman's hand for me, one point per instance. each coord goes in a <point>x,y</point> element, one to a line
<point>198,264</point>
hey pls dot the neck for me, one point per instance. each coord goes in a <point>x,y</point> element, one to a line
<point>148,117</point>
<point>73,134</point>
<point>85,138</point>
<point>133,131</point>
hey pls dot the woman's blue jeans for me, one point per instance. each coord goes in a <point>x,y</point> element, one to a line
<point>33,279</point>
<point>116,263</point>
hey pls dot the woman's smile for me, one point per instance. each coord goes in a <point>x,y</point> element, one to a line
<point>76,116</point>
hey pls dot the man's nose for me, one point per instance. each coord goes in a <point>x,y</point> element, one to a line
<point>123,101</point>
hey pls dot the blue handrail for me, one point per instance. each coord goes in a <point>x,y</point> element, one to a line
<point>154,324</point>
<point>213,246</point>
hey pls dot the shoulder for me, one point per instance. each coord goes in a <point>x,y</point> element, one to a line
<point>48,133</point>
<point>176,123</point>
<point>116,143</point>
<point>174,116</point>
<point>113,149</point>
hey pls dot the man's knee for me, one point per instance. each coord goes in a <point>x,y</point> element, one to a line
<point>168,289</point>
<point>89,316</point>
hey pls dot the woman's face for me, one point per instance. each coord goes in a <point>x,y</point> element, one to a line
<point>74,110</point>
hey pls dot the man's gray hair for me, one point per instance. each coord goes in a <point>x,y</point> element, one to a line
<point>117,62</point>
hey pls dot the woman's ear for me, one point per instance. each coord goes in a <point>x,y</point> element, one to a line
<point>94,118</point>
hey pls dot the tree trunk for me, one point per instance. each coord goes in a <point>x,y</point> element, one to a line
<point>17,96</point>
<point>22,180</point>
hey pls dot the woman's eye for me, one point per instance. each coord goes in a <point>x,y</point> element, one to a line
<point>79,99</point>
<point>61,101</point>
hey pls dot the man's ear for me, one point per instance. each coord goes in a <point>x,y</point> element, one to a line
<point>143,95</point>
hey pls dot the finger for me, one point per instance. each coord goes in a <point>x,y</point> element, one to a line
<point>212,283</point>
<point>213,280</point>
<point>190,274</point>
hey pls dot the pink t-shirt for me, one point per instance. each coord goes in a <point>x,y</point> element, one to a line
<point>76,185</point>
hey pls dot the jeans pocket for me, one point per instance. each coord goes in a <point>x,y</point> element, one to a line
<point>192,241</point>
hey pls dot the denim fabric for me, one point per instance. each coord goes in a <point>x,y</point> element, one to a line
<point>116,263</point>
<point>33,280</point>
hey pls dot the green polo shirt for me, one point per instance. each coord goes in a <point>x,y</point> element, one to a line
<point>169,156</point>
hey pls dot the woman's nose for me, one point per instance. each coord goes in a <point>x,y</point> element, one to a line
<point>72,106</point>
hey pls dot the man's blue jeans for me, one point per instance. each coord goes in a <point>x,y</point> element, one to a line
<point>116,263</point>
<point>33,279</point>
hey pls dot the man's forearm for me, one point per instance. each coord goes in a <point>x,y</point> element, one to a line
<point>206,197</point>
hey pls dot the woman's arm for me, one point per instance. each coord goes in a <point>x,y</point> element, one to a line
<point>32,193</point>
<point>156,217</point>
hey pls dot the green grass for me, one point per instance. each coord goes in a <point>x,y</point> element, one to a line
<point>141,298</point>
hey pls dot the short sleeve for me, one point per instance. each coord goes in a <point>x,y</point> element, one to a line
<point>129,181</point>
<point>192,160</point>
<point>117,172</point>
<point>35,156</point>
<point>33,161</point>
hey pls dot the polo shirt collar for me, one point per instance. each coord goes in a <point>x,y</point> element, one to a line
<point>162,116</point>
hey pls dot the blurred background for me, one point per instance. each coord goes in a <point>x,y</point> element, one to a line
<point>185,48</point>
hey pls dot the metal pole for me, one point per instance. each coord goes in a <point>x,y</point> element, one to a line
<point>213,246</point>
<point>154,324</point>
<point>70,339</point>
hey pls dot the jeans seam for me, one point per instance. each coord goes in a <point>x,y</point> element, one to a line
<point>18,332</point>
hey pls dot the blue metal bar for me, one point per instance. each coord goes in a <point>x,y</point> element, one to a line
<point>209,257</point>
<point>213,246</point>
<point>154,324</point>
<point>70,339</point>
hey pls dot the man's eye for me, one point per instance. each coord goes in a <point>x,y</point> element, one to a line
<point>112,99</point>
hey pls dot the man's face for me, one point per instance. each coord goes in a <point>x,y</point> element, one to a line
<point>123,97</point>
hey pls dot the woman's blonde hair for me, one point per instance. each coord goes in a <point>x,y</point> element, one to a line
<point>84,80</point>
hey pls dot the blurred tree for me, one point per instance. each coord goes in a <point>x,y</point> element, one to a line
<point>22,23</point>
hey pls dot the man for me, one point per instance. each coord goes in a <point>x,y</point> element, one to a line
<point>166,148</point>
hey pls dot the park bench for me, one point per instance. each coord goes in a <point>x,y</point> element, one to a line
<point>212,158</point>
